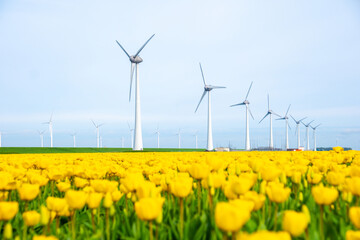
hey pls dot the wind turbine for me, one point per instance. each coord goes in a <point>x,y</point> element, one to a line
<point>298,130</point>
<point>97,133</point>
<point>0,139</point>
<point>286,118</point>
<point>179,138</point>
<point>122,142</point>
<point>135,60</point>
<point>246,103</point>
<point>50,130</point>
<point>196,139</point>
<point>314,132</point>
<point>270,112</point>
<point>41,137</point>
<point>74,140</point>
<point>131,136</point>
<point>158,137</point>
<point>207,89</point>
<point>307,134</point>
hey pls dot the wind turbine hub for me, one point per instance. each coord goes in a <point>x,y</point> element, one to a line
<point>208,88</point>
<point>136,59</point>
<point>246,102</point>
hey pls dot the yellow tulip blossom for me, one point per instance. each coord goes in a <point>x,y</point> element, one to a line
<point>44,215</point>
<point>199,171</point>
<point>294,222</point>
<point>31,218</point>
<point>94,199</point>
<point>352,235</point>
<point>107,200</point>
<point>42,237</point>
<point>256,198</point>
<point>149,208</point>
<point>28,192</point>
<point>335,178</point>
<point>55,204</point>
<point>277,192</point>
<point>75,199</point>
<point>264,235</point>
<point>63,186</point>
<point>80,182</point>
<point>8,231</point>
<point>8,210</point>
<point>324,195</point>
<point>354,215</point>
<point>181,186</point>
<point>230,218</point>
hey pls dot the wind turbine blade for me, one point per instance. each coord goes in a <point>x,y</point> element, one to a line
<point>237,104</point>
<point>203,95</point>
<point>303,124</point>
<point>302,119</point>
<point>123,49</point>
<point>289,126</point>
<point>264,117</point>
<point>94,123</point>
<point>202,74</point>
<point>213,87</point>
<point>293,118</point>
<point>131,78</point>
<point>143,46</point>
<point>280,119</point>
<point>276,114</point>
<point>287,110</point>
<point>129,126</point>
<point>248,91</point>
<point>310,122</point>
<point>317,125</point>
<point>51,117</point>
<point>250,113</point>
<point>268,103</point>
<point>101,124</point>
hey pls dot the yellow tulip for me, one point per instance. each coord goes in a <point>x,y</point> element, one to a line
<point>8,231</point>
<point>352,235</point>
<point>241,185</point>
<point>107,200</point>
<point>44,215</point>
<point>229,217</point>
<point>8,210</point>
<point>181,186</point>
<point>354,215</point>
<point>199,171</point>
<point>63,186</point>
<point>28,192</point>
<point>258,199</point>
<point>55,204</point>
<point>93,200</point>
<point>31,218</point>
<point>80,182</point>
<point>335,179</point>
<point>294,222</point>
<point>43,237</point>
<point>324,195</point>
<point>338,149</point>
<point>314,178</point>
<point>116,195</point>
<point>75,199</point>
<point>149,208</point>
<point>354,185</point>
<point>277,193</point>
<point>245,205</point>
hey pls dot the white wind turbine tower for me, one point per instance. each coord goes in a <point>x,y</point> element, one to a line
<point>131,135</point>
<point>41,134</point>
<point>135,60</point>
<point>158,137</point>
<point>196,139</point>
<point>298,130</point>
<point>287,126</point>
<point>207,89</point>
<point>97,133</point>
<point>307,134</point>
<point>179,138</point>
<point>270,112</point>
<point>314,132</point>
<point>0,139</point>
<point>246,103</point>
<point>50,130</point>
<point>74,139</point>
<point>122,142</point>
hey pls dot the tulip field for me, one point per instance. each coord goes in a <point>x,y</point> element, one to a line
<point>181,195</point>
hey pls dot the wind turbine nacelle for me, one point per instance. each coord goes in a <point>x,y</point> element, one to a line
<point>208,88</point>
<point>136,59</point>
<point>246,102</point>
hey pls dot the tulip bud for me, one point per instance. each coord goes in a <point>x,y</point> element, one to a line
<point>259,176</point>
<point>133,198</point>
<point>211,181</point>
<point>44,215</point>
<point>159,218</point>
<point>107,200</point>
<point>305,183</point>
<point>112,210</point>
<point>262,187</point>
<point>17,238</point>
<point>8,231</point>
<point>94,211</point>
<point>301,197</point>
<point>212,191</point>
<point>128,195</point>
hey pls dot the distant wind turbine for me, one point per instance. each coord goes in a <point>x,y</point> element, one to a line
<point>307,134</point>
<point>97,133</point>
<point>131,136</point>
<point>74,140</point>
<point>207,89</point>
<point>41,133</point>
<point>246,103</point>
<point>135,60</point>
<point>179,138</point>
<point>298,129</point>
<point>50,129</point>
<point>314,132</point>
<point>0,139</point>
<point>158,137</point>
<point>196,139</point>
<point>122,142</point>
<point>270,112</point>
<point>287,126</point>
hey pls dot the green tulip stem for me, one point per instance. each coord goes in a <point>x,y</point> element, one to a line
<point>199,195</point>
<point>25,232</point>
<point>275,217</point>
<point>73,229</point>
<point>181,217</point>
<point>93,221</point>
<point>233,236</point>
<point>322,222</point>
<point>107,224</point>
<point>150,230</point>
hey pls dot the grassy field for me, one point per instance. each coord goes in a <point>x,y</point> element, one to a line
<point>19,150</point>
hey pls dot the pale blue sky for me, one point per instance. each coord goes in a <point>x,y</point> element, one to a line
<point>61,56</point>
